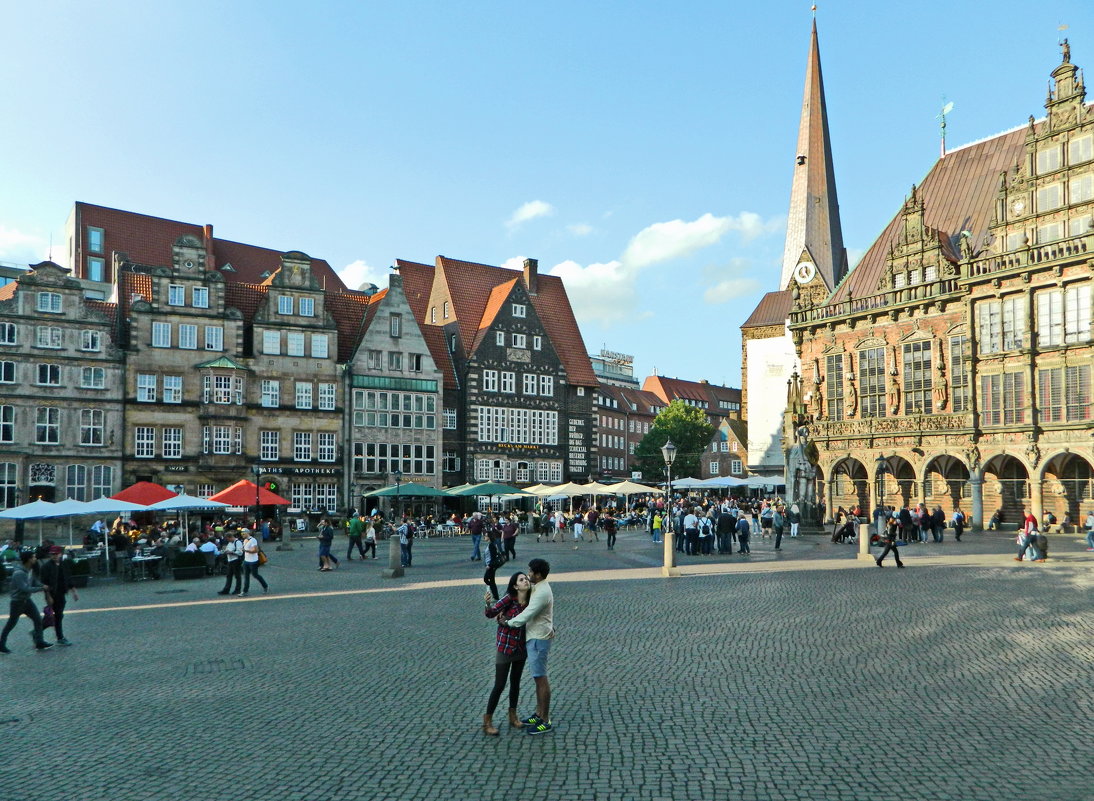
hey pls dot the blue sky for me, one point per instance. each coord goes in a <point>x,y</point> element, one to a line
<point>643,150</point>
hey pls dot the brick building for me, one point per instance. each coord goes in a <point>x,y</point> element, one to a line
<point>722,406</point>
<point>624,416</point>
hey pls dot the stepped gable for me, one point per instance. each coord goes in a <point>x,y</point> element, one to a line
<point>958,194</point>
<point>773,309</point>
<point>148,240</point>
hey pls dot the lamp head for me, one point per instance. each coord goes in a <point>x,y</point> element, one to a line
<point>668,451</point>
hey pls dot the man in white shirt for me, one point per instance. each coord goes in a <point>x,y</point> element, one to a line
<point>538,620</point>
<point>233,553</point>
<point>691,532</point>
<point>250,562</point>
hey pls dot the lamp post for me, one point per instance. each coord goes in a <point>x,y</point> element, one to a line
<point>398,476</point>
<point>669,568</point>
<point>876,496</point>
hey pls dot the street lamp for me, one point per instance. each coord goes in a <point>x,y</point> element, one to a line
<point>398,476</point>
<point>668,452</point>
<point>881,467</point>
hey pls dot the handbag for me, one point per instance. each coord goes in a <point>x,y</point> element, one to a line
<point>262,558</point>
<point>49,620</point>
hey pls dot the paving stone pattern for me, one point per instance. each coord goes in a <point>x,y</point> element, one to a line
<point>934,682</point>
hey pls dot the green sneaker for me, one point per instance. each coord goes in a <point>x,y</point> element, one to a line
<point>540,727</point>
<point>532,721</point>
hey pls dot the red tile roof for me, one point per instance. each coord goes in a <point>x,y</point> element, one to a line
<point>437,343</point>
<point>248,298</point>
<point>148,240</point>
<point>773,309</point>
<point>352,313</point>
<point>669,389</point>
<point>107,310</point>
<point>7,291</point>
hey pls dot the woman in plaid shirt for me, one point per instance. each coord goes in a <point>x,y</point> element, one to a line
<point>509,662</point>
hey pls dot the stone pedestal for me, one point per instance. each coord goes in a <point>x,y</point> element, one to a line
<point>394,567</point>
<point>669,568</point>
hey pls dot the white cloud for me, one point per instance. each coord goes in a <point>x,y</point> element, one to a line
<point>23,248</point>
<point>530,211</point>
<point>580,229</point>
<point>603,292</point>
<point>513,263</point>
<point>355,274</point>
<point>731,288</point>
<point>677,238</point>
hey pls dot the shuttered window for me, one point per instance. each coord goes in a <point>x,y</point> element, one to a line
<point>871,373</point>
<point>917,378</point>
<point>1050,394</point>
<point>1078,392</point>
<point>959,374</point>
<point>834,386</point>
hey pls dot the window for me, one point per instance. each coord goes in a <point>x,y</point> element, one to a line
<point>520,426</point>
<point>223,437</point>
<point>271,394</point>
<point>1080,225</point>
<point>146,388</point>
<point>91,426</point>
<point>396,325</point>
<point>1063,315</point>
<point>547,385</point>
<point>92,378</point>
<point>1050,394</point>
<point>96,269</point>
<point>530,383</point>
<point>917,378</point>
<point>1050,197</point>
<point>714,467</point>
<point>172,443</point>
<point>415,362</point>
<point>7,334</point>
<point>580,392</point>
<point>833,385</point>
<point>271,343</point>
<point>294,343</point>
<point>394,360</point>
<point>450,462</point>
<point>176,295</point>
<point>508,382</point>
<point>1002,399</point>
<point>327,449</point>
<point>302,446</point>
<point>102,481</point>
<point>537,343</point>
<point>48,337</point>
<point>871,382</point>
<point>306,307</point>
<point>520,341</point>
<point>959,374</point>
<point>1064,389</point>
<point>161,335</point>
<point>49,375</point>
<point>303,395</point>
<point>7,372</point>
<point>1080,149</point>
<point>445,310</point>
<point>91,341</point>
<point>284,304</point>
<point>1048,159</point>
<point>9,481</point>
<point>94,239</point>
<point>1002,324</point>
<point>499,338</point>
<point>1050,232</point>
<point>519,310</point>
<point>1077,384</point>
<point>327,397</point>
<point>319,346</point>
<point>144,440</point>
<point>76,482</point>
<point>222,389</point>
<point>736,466</point>
<point>448,416</point>
<point>7,423</point>
<point>49,302</point>
<point>1081,189</point>
<point>200,296</point>
<point>214,337</point>
<point>433,314</point>
<point>270,446</point>
<point>172,389</point>
<point>489,380</point>
<point>374,360</point>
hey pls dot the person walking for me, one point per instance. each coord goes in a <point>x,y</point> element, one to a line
<point>958,521</point>
<point>233,556</point>
<point>538,621</point>
<point>610,528</point>
<point>370,539</point>
<point>58,583</point>
<point>938,524</point>
<point>251,562</point>
<point>724,529</point>
<point>493,558</point>
<point>356,533</point>
<point>509,537</point>
<point>743,532</point>
<point>888,536</point>
<point>795,518</point>
<point>778,522</point>
<point>510,653</point>
<point>474,527</point>
<point>326,540</point>
<point>657,522</point>
<point>23,586</point>
<point>1089,524</point>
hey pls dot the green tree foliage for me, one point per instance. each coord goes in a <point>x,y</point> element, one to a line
<point>689,431</point>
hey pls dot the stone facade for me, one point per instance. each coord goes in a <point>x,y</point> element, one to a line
<point>954,369</point>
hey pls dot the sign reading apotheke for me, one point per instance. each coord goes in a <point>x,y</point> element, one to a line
<point>301,471</point>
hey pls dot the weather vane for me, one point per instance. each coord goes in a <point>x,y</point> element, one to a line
<point>946,109</point>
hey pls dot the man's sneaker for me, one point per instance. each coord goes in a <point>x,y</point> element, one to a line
<point>64,641</point>
<point>532,721</point>
<point>542,727</point>
<point>42,646</point>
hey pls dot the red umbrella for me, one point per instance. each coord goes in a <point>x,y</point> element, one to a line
<point>242,493</point>
<point>145,493</point>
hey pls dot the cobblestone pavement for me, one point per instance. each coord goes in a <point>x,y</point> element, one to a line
<point>799,675</point>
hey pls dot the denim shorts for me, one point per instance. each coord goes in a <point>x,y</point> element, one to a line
<point>537,657</point>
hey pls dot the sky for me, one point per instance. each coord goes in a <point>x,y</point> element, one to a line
<point>642,150</point>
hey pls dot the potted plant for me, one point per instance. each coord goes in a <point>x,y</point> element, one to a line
<point>189,565</point>
<point>79,571</point>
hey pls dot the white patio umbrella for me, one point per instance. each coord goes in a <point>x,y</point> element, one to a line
<point>69,508</point>
<point>632,488</point>
<point>185,503</point>
<point>104,505</point>
<point>35,510</point>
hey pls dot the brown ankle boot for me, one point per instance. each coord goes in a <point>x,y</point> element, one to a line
<point>488,726</point>
<point>514,721</point>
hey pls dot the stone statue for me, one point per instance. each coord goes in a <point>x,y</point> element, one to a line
<point>1033,453</point>
<point>1066,48</point>
<point>801,473</point>
<point>972,456</point>
<point>851,401</point>
<point>816,402</point>
<point>892,397</point>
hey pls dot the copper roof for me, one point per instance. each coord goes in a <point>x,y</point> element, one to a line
<point>773,309</point>
<point>958,195</point>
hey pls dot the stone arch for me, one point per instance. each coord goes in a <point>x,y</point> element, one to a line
<point>848,485</point>
<point>1006,488</point>
<point>946,483</point>
<point>1068,487</point>
<point>896,486</point>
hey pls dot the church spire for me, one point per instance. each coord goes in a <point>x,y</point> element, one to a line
<point>813,228</point>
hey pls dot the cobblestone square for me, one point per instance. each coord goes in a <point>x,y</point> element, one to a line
<point>801,676</point>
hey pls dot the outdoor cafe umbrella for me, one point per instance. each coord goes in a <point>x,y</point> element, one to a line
<point>408,490</point>
<point>184,503</point>
<point>104,506</point>
<point>488,490</point>
<point>631,488</point>
<point>68,508</point>
<point>144,493</point>
<point>245,493</point>
<point>35,510</point>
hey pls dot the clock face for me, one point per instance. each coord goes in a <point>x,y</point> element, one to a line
<point>804,272</point>
<point>1018,206</point>
<point>189,265</point>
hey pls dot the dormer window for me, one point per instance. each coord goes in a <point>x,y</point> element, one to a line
<point>396,325</point>
<point>519,310</point>
<point>306,307</point>
<point>284,304</point>
<point>49,302</point>
<point>1048,159</point>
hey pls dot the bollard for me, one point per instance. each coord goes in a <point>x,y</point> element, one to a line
<point>669,568</point>
<point>864,542</point>
<point>394,567</point>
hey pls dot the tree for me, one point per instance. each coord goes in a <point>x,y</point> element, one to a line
<point>689,431</point>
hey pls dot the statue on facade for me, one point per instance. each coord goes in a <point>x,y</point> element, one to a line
<point>816,402</point>
<point>1033,453</point>
<point>851,401</point>
<point>892,397</point>
<point>1066,49</point>
<point>972,456</point>
<point>801,473</point>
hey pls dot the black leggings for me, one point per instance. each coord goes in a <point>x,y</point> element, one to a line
<point>488,580</point>
<point>370,545</point>
<point>513,671</point>
<point>611,538</point>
